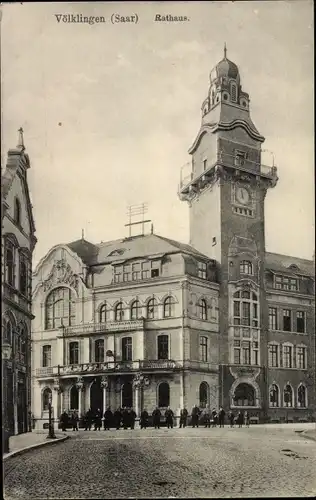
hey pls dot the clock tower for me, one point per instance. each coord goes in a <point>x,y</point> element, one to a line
<point>226,188</point>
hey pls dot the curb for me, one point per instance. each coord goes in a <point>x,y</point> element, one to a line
<point>34,446</point>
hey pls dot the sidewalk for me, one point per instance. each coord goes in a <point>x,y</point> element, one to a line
<point>23,442</point>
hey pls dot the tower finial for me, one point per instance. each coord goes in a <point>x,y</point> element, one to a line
<point>82,234</point>
<point>20,139</point>
<point>225,50</point>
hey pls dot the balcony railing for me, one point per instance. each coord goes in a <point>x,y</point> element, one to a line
<point>123,366</point>
<point>110,326</point>
<point>188,178</point>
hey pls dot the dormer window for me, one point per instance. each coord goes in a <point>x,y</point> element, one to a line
<point>240,158</point>
<point>202,270</point>
<point>294,267</point>
<point>118,251</point>
<point>285,283</point>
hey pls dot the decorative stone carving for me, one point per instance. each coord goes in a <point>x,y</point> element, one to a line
<point>244,371</point>
<point>79,384</point>
<point>57,387</point>
<point>61,273</point>
<point>140,380</point>
<point>104,382</point>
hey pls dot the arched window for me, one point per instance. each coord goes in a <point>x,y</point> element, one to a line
<point>163,346</point>
<point>168,307</point>
<point>233,91</point>
<point>73,353</point>
<point>152,309</point>
<point>288,396</point>
<point>74,398</point>
<point>46,398</point>
<point>246,308</point>
<point>245,267</point>
<point>163,395</point>
<point>60,308</point>
<point>102,314</point>
<point>7,330</point>
<point>202,306</point>
<point>127,349</point>
<point>136,310</point>
<point>204,394</point>
<point>301,396</point>
<point>244,395</point>
<point>47,356</point>
<point>9,263</point>
<point>24,274</point>
<point>99,351</point>
<point>127,395</point>
<point>17,211</point>
<point>274,396</point>
<point>119,312</point>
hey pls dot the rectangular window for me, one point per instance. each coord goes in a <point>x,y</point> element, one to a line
<point>203,349</point>
<point>205,164</point>
<point>287,356</point>
<point>74,353</point>
<point>237,352</point>
<point>246,353</point>
<point>99,351</point>
<point>255,350</point>
<point>274,356</point>
<point>163,346</point>
<point>47,355</point>
<point>127,352</point>
<point>273,318</point>
<point>287,320</point>
<point>284,283</point>
<point>202,270</point>
<point>154,273</point>
<point>118,274</point>
<point>236,312</point>
<point>136,275</point>
<point>301,358</point>
<point>300,321</point>
<point>245,313</point>
<point>240,157</point>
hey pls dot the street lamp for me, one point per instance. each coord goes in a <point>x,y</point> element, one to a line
<point>51,432</point>
<point>6,355</point>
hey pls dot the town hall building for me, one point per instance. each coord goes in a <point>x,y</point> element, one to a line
<point>148,322</point>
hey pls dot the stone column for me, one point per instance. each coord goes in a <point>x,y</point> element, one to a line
<point>79,385</point>
<point>57,399</point>
<point>104,385</point>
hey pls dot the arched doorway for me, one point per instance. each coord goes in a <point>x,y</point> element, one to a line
<point>204,394</point>
<point>127,395</point>
<point>74,398</point>
<point>163,395</point>
<point>96,395</point>
<point>244,395</point>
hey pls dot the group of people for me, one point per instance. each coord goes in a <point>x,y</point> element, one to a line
<point>126,417</point>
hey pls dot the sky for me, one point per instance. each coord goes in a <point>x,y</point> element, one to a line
<point>109,111</point>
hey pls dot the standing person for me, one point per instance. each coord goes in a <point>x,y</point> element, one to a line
<point>132,418</point>
<point>240,419</point>
<point>108,416</point>
<point>214,417</point>
<point>183,417</point>
<point>125,418</point>
<point>74,420</point>
<point>97,420</point>
<point>144,419</point>
<point>156,418</point>
<point>64,421</point>
<point>88,420</point>
<point>221,416</point>
<point>247,419</point>
<point>231,418</point>
<point>169,417</point>
<point>195,416</point>
<point>117,418</point>
<point>207,417</point>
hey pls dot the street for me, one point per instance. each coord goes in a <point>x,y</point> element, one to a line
<point>261,461</point>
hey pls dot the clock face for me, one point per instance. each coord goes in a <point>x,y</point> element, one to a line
<point>242,195</point>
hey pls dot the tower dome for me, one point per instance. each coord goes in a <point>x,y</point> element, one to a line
<point>225,69</point>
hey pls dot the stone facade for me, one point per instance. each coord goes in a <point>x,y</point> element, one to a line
<point>18,242</point>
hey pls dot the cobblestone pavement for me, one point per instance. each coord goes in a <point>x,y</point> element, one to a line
<point>212,463</point>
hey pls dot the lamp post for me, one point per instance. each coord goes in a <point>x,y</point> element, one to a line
<point>51,432</point>
<point>6,356</point>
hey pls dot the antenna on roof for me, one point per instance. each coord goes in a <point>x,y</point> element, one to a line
<point>82,234</point>
<point>137,211</point>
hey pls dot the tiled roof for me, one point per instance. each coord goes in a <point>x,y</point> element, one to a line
<point>278,262</point>
<point>129,248</point>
